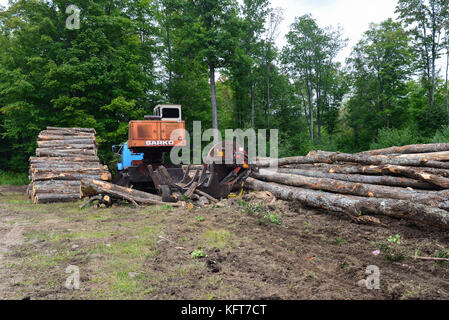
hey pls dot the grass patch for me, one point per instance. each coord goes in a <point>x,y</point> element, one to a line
<point>13,178</point>
<point>258,210</point>
<point>391,251</point>
<point>340,241</point>
<point>217,238</point>
<point>80,235</point>
<point>124,286</point>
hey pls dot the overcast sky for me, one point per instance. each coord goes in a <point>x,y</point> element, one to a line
<point>353,15</point>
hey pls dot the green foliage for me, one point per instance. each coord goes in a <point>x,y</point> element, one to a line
<point>197,254</point>
<point>200,218</point>
<point>394,239</point>
<point>444,254</point>
<point>340,241</point>
<point>271,217</point>
<point>395,137</point>
<point>13,179</point>
<point>91,77</point>
<point>391,251</point>
<point>441,135</point>
<point>259,210</point>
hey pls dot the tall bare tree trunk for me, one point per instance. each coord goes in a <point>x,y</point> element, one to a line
<point>213,100</point>
<point>268,96</point>
<point>318,114</point>
<point>252,106</point>
<point>309,102</point>
<point>447,71</point>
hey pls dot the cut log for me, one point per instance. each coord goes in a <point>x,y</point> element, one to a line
<point>66,133</point>
<point>191,190</point>
<point>69,167</point>
<point>91,187</point>
<point>433,198</point>
<point>64,160</point>
<point>90,130</point>
<point>369,179</point>
<point>67,150</point>
<point>424,157</point>
<point>208,196</point>
<point>430,175</point>
<point>65,154</point>
<point>414,148</point>
<point>58,189</point>
<point>56,197</point>
<point>70,176</point>
<point>58,183</point>
<point>65,147</point>
<point>52,137</point>
<point>369,170</point>
<point>88,171</point>
<point>353,205</point>
<point>334,157</point>
<point>78,143</point>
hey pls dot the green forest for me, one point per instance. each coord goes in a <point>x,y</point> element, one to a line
<point>219,60</point>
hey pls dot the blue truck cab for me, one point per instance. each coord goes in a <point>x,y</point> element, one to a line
<point>126,156</point>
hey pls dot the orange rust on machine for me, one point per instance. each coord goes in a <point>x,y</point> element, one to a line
<point>156,133</point>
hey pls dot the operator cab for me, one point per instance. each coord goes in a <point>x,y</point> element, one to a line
<point>168,112</point>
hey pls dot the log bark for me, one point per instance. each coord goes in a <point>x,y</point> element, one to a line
<point>90,187</point>
<point>66,133</point>
<point>432,198</point>
<point>414,148</point>
<point>75,166</point>
<point>431,156</point>
<point>369,179</point>
<point>56,197</point>
<point>64,160</point>
<point>70,176</point>
<point>67,147</point>
<point>57,189</point>
<point>353,205</point>
<point>89,130</point>
<point>88,171</point>
<point>204,194</point>
<point>65,153</point>
<point>360,169</point>
<point>58,183</point>
<point>53,137</point>
<point>74,143</point>
<point>334,157</point>
<point>67,150</point>
<point>430,175</point>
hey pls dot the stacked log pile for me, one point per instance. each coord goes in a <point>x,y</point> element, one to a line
<point>64,157</point>
<point>409,182</point>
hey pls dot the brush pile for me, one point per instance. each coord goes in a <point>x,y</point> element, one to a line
<point>409,182</point>
<point>64,157</point>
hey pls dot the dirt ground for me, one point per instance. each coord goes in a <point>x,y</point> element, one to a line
<point>254,248</point>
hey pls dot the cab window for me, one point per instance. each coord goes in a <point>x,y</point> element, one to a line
<point>170,113</point>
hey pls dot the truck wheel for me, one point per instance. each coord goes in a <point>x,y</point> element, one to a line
<point>166,193</point>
